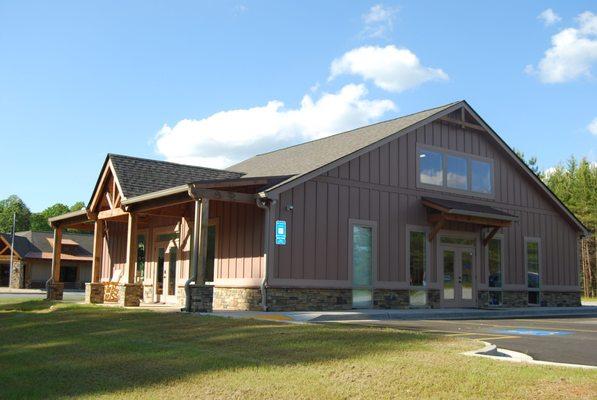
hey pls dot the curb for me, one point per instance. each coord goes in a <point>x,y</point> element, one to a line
<point>491,351</point>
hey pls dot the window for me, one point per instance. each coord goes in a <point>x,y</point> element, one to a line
<point>417,261</point>
<point>211,253</point>
<point>532,260</point>
<point>362,265</point>
<point>457,240</point>
<point>494,266</point>
<point>140,273</point>
<point>456,172</point>
<point>494,260</point>
<point>481,176</point>
<point>431,168</point>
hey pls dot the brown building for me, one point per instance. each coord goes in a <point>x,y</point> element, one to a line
<point>431,209</point>
<point>32,259</point>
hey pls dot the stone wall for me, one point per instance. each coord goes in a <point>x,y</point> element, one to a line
<point>94,293</point>
<point>560,299</point>
<point>296,299</point>
<point>388,298</point>
<point>240,299</point>
<point>17,275</point>
<point>202,298</point>
<point>55,291</point>
<point>514,298</point>
<point>130,294</point>
<point>148,294</point>
<point>433,298</point>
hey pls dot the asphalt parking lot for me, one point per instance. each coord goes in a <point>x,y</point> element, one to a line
<point>565,340</point>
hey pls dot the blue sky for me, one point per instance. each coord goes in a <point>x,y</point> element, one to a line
<point>214,82</point>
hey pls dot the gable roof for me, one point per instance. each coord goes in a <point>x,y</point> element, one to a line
<point>30,244</point>
<point>138,176</point>
<point>306,157</point>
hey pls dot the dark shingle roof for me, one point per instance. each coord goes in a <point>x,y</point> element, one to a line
<point>309,156</point>
<point>138,176</point>
<point>28,242</point>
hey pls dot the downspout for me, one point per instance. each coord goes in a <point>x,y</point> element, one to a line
<point>265,204</point>
<point>194,269</point>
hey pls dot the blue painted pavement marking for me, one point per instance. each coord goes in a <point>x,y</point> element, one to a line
<point>532,332</point>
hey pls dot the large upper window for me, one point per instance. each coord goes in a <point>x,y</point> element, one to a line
<point>481,176</point>
<point>455,171</point>
<point>431,167</point>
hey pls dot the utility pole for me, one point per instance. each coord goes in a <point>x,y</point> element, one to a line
<point>12,247</point>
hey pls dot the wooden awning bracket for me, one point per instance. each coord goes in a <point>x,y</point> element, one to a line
<point>490,235</point>
<point>437,227</point>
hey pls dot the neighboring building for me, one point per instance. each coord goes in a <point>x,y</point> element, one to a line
<point>428,210</point>
<point>32,259</point>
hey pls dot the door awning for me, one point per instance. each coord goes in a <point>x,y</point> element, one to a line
<point>441,210</point>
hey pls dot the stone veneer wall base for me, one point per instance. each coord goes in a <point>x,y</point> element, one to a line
<point>55,291</point>
<point>94,293</point>
<point>202,298</point>
<point>130,294</point>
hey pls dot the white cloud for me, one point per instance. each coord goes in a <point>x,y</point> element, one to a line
<point>549,17</point>
<point>379,21</point>
<point>572,54</point>
<point>390,68</point>
<point>226,137</point>
<point>592,127</point>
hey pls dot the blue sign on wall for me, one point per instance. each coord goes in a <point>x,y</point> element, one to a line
<point>281,232</point>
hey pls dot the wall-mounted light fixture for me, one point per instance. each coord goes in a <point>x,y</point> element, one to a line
<point>289,207</point>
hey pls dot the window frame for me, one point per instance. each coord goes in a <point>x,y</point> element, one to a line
<point>502,240</point>
<point>532,239</point>
<point>444,186</point>
<point>425,230</point>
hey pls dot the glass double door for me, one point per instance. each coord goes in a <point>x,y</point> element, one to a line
<point>458,272</point>
<point>166,256</point>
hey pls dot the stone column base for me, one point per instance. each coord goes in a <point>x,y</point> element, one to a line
<point>201,298</point>
<point>17,275</point>
<point>55,291</point>
<point>94,293</point>
<point>130,294</point>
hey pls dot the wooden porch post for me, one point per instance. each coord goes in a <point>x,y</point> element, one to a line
<point>55,288</point>
<point>131,249</point>
<point>130,293</point>
<point>56,254</point>
<point>200,226</point>
<point>94,290</point>
<point>98,246</point>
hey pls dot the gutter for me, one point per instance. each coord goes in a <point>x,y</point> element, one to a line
<point>156,195</point>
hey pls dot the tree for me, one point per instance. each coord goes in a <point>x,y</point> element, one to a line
<point>14,204</point>
<point>39,221</point>
<point>531,163</point>
<point>575,183</point>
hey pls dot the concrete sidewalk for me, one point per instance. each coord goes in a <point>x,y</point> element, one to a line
<point>413,314</point>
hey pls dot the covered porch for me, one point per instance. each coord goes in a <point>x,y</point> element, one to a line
<point>168,247</point>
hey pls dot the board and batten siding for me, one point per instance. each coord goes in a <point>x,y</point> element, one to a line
<point>381,185</point>
<point>239,244</point>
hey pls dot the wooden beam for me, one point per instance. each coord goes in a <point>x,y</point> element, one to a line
<point>222,195</point>
<point>179,198</point>
<point>56,253</point>
<point>131,249</point>
<point>463,124</point>
<point>490,235</point>
<point>436,228</point>
<point>109,199</point>
<point>109,214</point>
<point>98,246</point>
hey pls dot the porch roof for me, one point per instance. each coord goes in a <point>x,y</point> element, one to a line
<point>466,209</point>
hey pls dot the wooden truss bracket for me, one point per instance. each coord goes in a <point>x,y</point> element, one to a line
<point>491,235</point>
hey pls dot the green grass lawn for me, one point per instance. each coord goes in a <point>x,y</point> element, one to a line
<point>56,350</point>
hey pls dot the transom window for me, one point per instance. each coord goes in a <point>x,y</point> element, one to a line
<point>455,171</point>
